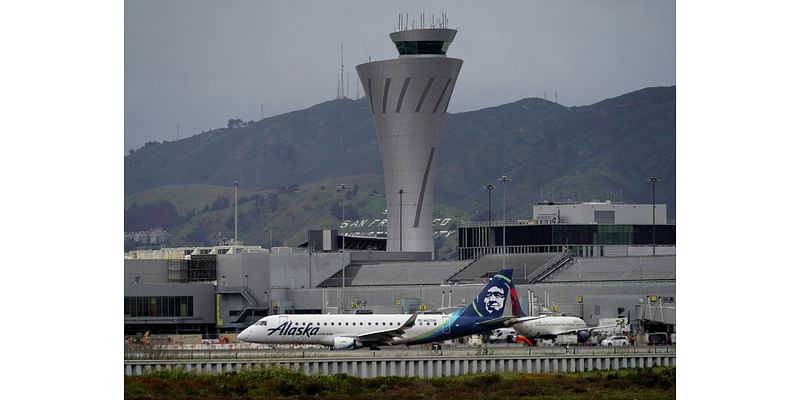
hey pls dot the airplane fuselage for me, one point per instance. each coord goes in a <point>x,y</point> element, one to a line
<point>549,326</point>
<point>324,328</point>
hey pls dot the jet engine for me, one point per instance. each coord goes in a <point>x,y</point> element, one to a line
<point>345,343</point>
<point>583,336</point>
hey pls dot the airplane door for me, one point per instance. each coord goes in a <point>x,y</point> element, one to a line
<point>446,325</point>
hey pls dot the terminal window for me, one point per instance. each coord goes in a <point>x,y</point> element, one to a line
<point>604,217</point>
<point>159,306</point>
<point>422,47</point>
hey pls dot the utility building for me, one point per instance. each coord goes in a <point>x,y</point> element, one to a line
<point>599,213</point>
<point>408,98</point>
<point>582,229</point>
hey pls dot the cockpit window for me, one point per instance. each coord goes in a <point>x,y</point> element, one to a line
<point>262,323</point>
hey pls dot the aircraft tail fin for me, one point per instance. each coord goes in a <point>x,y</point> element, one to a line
<point>491,301</point>
<point>516,307</point>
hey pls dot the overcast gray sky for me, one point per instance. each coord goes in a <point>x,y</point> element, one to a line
<point>199,63</point>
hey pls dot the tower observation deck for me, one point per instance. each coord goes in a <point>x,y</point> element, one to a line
<point>408,98</point>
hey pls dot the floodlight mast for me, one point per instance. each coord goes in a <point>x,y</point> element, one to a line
<point>505,180</point>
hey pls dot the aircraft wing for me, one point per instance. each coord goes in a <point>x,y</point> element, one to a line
<point>497,322</point>
<point>587,329</point>
<point>517,320</point>
<point>386,335</point>
<point>615,326</point>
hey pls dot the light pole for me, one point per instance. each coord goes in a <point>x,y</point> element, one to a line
<point>401,220</point>
<point>344,188</point>
<point>489,188</point>
<point>344,265</point>
<point>236,213</point>
<point>268,234</point>
<point>653,180</point>
<point>504,179</point>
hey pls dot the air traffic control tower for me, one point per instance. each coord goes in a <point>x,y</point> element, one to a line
<point>408,98</point>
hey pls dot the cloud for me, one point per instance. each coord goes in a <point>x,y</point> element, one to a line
<point>198,64</point>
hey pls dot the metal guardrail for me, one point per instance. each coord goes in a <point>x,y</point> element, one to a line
<point>232,352</point>
<point>370,364</point>
<point>552,266</point>
<point>497,222</point>
<point>458,271</point>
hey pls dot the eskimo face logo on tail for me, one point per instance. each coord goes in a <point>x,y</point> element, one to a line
<point>491,301</point>
<point>495,299</point>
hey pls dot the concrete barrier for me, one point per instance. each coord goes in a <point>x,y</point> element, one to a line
<point>423,367</point>
<point>228,338</point>
<point>184,339</point>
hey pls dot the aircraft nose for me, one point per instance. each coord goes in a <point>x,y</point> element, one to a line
<point>244,335</point>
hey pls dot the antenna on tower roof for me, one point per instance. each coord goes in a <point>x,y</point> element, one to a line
<point>341,71</point>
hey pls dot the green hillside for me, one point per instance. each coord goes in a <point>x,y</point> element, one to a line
<point>185,198</point>
<point>289,214</point>
<point>607,150</point>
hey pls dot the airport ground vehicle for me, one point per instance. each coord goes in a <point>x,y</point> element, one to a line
<point>657,338</point>
<point>615,341</point>
<point>503,335</point>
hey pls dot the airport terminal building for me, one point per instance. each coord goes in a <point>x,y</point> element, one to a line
<point>212,290</point>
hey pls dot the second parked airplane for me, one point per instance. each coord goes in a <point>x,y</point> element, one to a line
<point>549,327</point>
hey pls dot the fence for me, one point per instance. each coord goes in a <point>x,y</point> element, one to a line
<point>424,364</point>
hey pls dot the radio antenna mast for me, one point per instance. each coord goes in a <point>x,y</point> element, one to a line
<point>341,65</point>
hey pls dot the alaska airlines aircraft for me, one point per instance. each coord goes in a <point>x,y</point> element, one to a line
<point>351,331</point>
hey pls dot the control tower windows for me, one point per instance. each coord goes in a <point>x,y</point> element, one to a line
<point>422,47</point>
